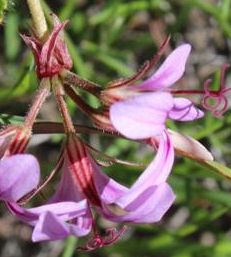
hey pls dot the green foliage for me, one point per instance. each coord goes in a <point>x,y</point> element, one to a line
<point>3,8</point>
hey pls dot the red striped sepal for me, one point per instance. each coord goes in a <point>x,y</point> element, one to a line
<point>81,166</point>
<point>13,140</point>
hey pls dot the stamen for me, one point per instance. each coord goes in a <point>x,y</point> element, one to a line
<point>111,236</point>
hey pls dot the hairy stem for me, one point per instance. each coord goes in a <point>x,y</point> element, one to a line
<point>59,95</point>
<point>79,101</point>
<point>40,98</point>
<point>73,79</point>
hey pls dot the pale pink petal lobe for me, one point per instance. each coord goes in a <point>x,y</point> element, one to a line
<point>49,227</point>
<point>170,71</point>
<point>148,207</point>
<point>142,116</point>
<point>19,174</point>
<point>184,110</point>
<point>150,196</point>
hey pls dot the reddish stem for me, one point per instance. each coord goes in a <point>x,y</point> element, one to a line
<point>40,98</point>
<point>72,79</point>
<point>79,101</point>
<point>59,95</point>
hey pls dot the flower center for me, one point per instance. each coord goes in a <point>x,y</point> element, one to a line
<point>97,241</point>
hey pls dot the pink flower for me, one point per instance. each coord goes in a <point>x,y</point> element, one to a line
<point>23,169</point>
<point>52,55</point>
<point>83,186</point>
<point>19,176</point>
<point>142,109</point>
<point>145,202</point>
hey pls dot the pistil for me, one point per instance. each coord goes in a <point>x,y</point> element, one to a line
<point>98,241</point>
<point>213,100</point>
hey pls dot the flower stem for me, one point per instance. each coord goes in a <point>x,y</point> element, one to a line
<point>38,18</point>
<point>41,96</point>
<point>73,79</point>
<point>59,95</point>
<point>79,101</point>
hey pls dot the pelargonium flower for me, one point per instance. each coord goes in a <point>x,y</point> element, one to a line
<point>140,111</point>
<point>145,202</point>
<point>23,169</point>
<point>52,55</point>
<point>83,185</point>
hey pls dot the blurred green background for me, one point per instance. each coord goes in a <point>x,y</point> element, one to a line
<point>108,40</point>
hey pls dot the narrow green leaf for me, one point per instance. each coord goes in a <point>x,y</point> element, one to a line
<point>193,227</point>
<point>12,40</point>
<point>124,9</point>
<point>219,168</point>
<point>3,8</point>
<point>23,85</point>
<point>10,119</point>
<point>68,9</point>
<point>225,10</point>
<point>107,59</point>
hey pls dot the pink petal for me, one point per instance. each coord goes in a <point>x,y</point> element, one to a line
<point>158,170</point>
<point>150,197</point>
<point>19,174</point>
<point>67,189</point>
<point>142,116</point>
<point>184,110</point>
<point>108,189</point>
<point>170,71</point>
<point>156,173</point>
<point>153,209</point>
<point>64,210</point>
<point>51,227</point>
<point>149,207</point>
<point>50,220</point>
